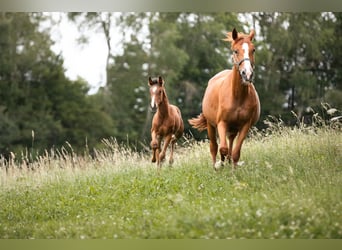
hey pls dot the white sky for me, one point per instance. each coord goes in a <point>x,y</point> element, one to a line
<point>87,61</point>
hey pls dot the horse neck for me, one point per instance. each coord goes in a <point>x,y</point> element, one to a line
<point>163,108</point>
<point>238,89</point>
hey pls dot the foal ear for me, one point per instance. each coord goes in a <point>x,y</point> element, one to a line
<point>251,34</point>
<point>160,81</point>
<point>234,34</point>
<point>150,82</point>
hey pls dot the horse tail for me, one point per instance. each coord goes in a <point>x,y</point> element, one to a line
<point>199,123</point>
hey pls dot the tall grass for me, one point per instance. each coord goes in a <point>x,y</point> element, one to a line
<point>290,186</point>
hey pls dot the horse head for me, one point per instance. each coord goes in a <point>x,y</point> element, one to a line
<point>243,54</point>
<point>157,92</point>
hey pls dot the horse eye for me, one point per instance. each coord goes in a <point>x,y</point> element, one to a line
<point>235,52</point>
<point>253,50</point>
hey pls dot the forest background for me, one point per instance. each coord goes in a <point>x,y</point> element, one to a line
<point>298,67</point>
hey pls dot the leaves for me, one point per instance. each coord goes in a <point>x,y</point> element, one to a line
<point>35,95</point>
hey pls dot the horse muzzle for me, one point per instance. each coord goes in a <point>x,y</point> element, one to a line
<point>247,76</point>
<point>246,72</point>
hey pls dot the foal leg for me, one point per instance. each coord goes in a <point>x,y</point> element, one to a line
<point>173,142</point>
<point>166,144</point>
<point>154,145</point>
<point>178,134</point>
<point>154,154</point>
<point>158,156</point>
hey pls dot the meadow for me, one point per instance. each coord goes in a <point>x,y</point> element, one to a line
<point>289,186</point>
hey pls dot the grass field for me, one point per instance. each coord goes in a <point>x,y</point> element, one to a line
<point>290,186</point>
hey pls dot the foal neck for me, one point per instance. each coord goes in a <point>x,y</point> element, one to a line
<point>163,108</point>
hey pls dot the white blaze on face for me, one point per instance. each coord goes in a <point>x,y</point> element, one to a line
<point>154,90</point>
<point>247,63</point>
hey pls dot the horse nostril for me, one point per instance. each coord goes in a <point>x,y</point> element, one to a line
<point>251,76</point>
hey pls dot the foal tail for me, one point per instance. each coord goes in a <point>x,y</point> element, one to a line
<point>199,123</point>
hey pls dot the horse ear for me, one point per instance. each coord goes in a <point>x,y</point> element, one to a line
<point>234,34</point>
<point>160,81</point>
<point>228,37</point>
<point>150,82</point>
<point>251,34</point>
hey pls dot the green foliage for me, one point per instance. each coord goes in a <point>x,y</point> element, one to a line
<point>295,60</point>
<point>288,187</point>
<point>40,108</point>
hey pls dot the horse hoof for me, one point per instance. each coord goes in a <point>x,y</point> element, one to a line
<point>153,160</point>
<point>218,165</point>
<point>239,163</point>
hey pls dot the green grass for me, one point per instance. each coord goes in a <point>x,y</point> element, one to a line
<point>290,186</point>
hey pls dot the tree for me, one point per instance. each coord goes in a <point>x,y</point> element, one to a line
<point>294,61</point>
<point>40,108</point>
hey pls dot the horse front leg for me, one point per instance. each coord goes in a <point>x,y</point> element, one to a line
<point>231,138</point>
<point>221,128</point>
<point>237,149</point>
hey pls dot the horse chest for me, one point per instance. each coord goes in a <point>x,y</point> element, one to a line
<point>235,118</point>
<point>163,126</point>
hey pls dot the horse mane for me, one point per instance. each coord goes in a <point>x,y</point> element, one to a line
<point>241,36</point>
<point>229,36</point>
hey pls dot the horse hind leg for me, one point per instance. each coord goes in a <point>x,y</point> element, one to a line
<point>237,150</point>
<point>213,144</point>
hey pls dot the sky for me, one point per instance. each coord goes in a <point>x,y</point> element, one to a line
<point>87,61</point>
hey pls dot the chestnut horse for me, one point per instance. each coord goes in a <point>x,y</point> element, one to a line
<point>230,103</point>
<point>167,122</point>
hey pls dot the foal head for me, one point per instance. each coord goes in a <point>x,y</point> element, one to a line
<point>157,91</point>
<point>243,53</point>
